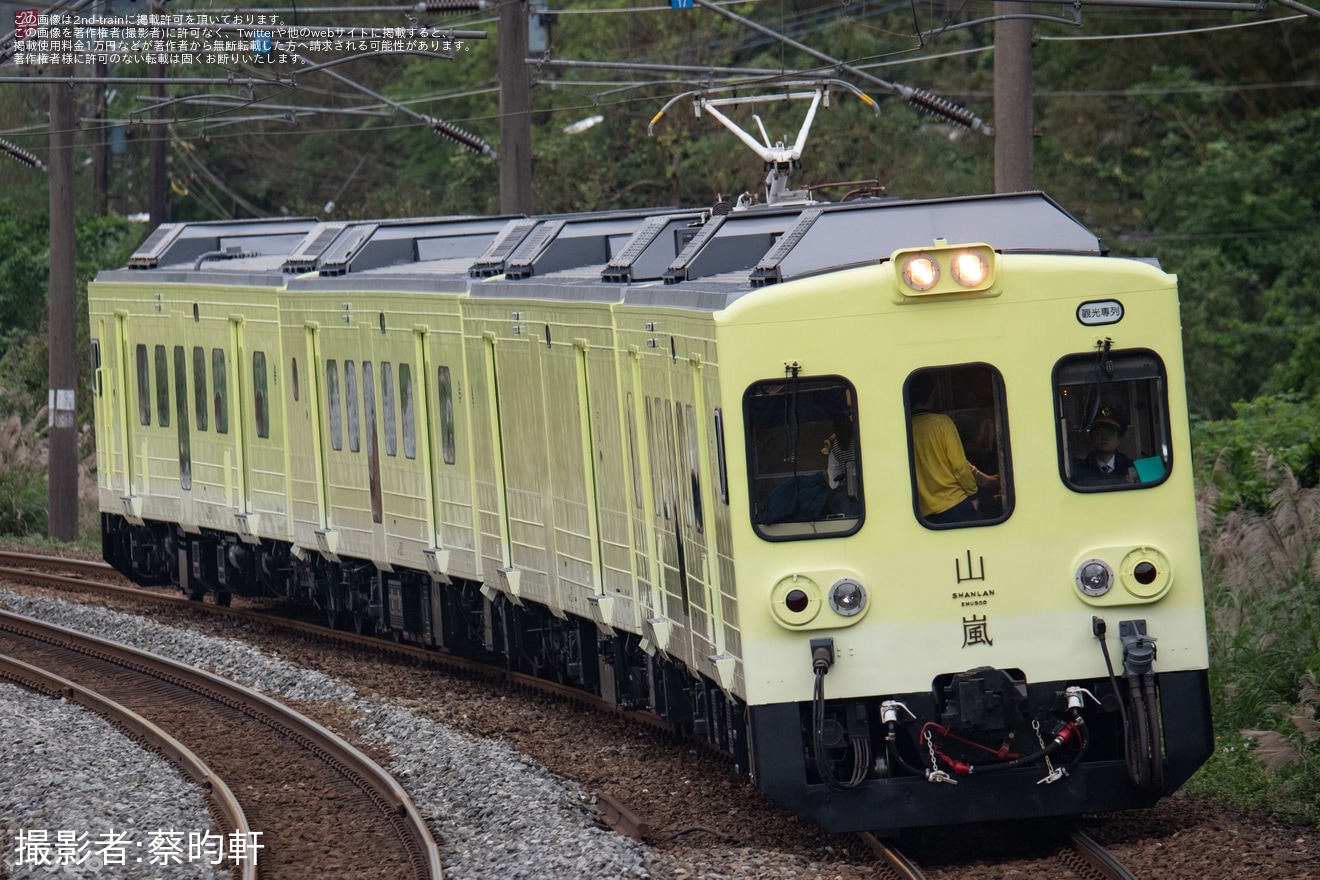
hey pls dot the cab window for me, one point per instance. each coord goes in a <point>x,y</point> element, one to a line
<point>1112,410</point>
<point>804,460</point>
<point>958,446</point>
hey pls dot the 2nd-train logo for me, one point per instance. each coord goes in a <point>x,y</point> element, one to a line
<point>25,24</point>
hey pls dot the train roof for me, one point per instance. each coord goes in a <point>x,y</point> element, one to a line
<point>665,257</point>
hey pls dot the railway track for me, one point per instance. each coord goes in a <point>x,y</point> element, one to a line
<point>1075,854</point>
<point>344,815</point>
<point>92,576</point>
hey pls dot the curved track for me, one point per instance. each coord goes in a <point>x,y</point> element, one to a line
<point>345,815</point>
<point>89,578</point>
<point>225,808</point>
<point>1076,854</point>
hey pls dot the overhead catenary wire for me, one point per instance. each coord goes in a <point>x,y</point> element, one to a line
<point>919,97</point>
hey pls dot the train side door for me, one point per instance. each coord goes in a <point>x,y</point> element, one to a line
<point>673,547</point>
<point>316,400</point>
<point>429,393</point>
<point>240,407</point>
<point>122,470</point>
<point>686,585</point>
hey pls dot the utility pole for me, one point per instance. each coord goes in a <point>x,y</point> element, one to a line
<point>62,459</point>
<point>515,111</point>
<point>1014,90</point>
<point>100,146</point>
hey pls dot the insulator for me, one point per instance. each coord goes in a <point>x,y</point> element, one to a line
<point>942,107</point>
<point>20,155</point>
<point>442,7</point>
<point>458,135</point>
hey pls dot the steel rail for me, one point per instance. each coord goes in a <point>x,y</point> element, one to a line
<point>1098,857</point>
<point>893,860</point>
<point>373,644</point>
<point>335,751</point>
<point>225,805</point>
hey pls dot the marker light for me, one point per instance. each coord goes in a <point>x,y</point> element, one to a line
<point>847,597</point>
<point>796,601</point>
<point>1095,577</point>
<point>921,272</point>
<point>1146,573</point>
<point>969,268</point>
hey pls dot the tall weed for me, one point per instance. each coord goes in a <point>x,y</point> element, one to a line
<point>23,488</point>
<point>1263,583</point>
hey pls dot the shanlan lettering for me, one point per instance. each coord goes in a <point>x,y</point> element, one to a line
<point>972,594</point>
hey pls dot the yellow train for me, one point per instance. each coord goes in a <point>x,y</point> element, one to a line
<point>824,485</point>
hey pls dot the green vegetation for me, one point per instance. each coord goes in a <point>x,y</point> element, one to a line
<point>1263,595</point>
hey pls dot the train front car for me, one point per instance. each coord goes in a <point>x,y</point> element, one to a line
<point>951,611</point>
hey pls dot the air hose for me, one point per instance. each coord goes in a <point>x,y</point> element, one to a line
<point>861,746</point>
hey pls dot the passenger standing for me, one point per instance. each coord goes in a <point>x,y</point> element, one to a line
<point>946,482</point>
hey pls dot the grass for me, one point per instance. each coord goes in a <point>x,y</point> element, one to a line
<point>1263,613</point>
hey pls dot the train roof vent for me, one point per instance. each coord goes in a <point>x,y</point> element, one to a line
<point>619,270</point>
<point>520,263</point>
<point>767,271</point>
<point>306,255</point>
<point>492,261</point>
<point>346,246</point>
<point>148,255</point>
<point>677,270</point>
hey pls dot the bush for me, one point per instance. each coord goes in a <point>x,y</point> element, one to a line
<point>1242,460</point>
<point>23,500</point>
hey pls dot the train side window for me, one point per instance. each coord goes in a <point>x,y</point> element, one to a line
<point>351,406</point>
<point>260,393</point>
<point>162,387</point>
<point>181,404</point>
<point>199,386</point>
<point>408,411</point>
<point>632,452</point>
<point>96,368</point>
<point>958,443</point>
<point>144,386</point>
<point>804,457</point>
<point>221,393</point>
<point>719,450</point>
<point>336,412</point>
<point>694,467</point>
<point>387,398</point>
<point>445,384</point>
<point>373,454</point>
<point>1112,409</point>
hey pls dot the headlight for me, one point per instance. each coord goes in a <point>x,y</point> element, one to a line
<point>970,268</point>
<point>847,597</point>
<point>921,272</point>
<point>1095,577</point>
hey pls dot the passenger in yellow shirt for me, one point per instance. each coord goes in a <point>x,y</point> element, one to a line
<point>946,481</point>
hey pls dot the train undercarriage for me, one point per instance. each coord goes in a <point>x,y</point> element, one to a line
<point>409,606</point>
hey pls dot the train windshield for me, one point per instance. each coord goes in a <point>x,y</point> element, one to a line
<point>1113,415</point>
<point>958,442</point>
<point>804,459</point>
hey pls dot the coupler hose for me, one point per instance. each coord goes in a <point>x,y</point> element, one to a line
<point>861,748</point>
